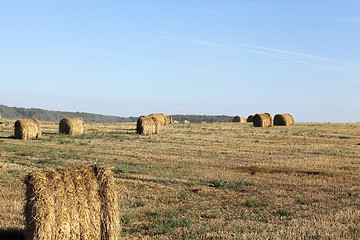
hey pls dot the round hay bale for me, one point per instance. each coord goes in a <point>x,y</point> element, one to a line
<point>148,124</point>
<point>168,120</point>
<point>186,121</point>
<point>78,202</point>
<point>250,118</point>
<point>160,118</point>
<point>27,129</point>
<point>176,122</point>
<point>238,119</point>
<point>262,120</point>
<point>284,120</point>
<point>72,126</point>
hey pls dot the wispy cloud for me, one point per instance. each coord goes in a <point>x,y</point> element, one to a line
<point>350,19</point>
<point>287,55</point>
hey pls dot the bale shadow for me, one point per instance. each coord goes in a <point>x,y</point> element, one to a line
<point>9,137</point>
<point>49,133</point>
<point>12,234</point>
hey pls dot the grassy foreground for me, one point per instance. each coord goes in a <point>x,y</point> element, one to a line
<point>205,181</point>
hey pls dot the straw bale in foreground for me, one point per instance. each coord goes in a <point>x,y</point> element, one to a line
<point>71,203</point>
<point>72,126</point>
<point>284,120</point>
<point>27,129</point>
<point>262,120</point>
<point>238,119</point>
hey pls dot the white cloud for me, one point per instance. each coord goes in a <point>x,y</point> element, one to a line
<point>351,19</point>
<point>305,58</point>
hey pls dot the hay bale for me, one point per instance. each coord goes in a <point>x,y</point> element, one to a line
<point>168,120</point>
<point>176,122</point>
<point>284,120</point>
<point>186,121</point>
<point>148,124</point>
<point>250,118</point>
<point>27,129</point>
<point>72,126</point>
<point>71,203</point>
<point>238,119</point>
<point>160,117</point>
<point>262,120</point>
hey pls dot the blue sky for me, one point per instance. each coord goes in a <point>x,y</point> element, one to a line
<point>129,58</point>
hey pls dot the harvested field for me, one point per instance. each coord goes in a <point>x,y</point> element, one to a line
<point>206,180</point>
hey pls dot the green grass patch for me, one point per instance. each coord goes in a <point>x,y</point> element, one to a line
<point>283,213</point>
<point>223,184</point>
<point>256,201</point>
<point>159,223</point>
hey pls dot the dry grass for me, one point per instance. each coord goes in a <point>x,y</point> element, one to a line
<point>206,181</point>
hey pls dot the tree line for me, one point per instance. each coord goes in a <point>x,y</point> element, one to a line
<point>55,116</point>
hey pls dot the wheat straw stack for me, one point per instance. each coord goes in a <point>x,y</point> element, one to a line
<point>148,124</point>
<point>27,129</point>
<point>72,126</point>
<point>238,119</point>
<point>284,120</point>
<point>262,120</point>
<point>71,203</point>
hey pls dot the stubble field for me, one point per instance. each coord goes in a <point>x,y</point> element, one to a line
<point>206,180</point>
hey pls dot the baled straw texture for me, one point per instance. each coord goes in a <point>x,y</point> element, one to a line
<point>71,203</point>
<point>250,118</point>
<point>238,119</point>
<point>27,129</point>
<point>72,126</point>
<point>109,203</point>
<point>168,120</point>
<point>284,120</point>
<point>148,125</point>
<point>262,120</point>
<point>160,117</point>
